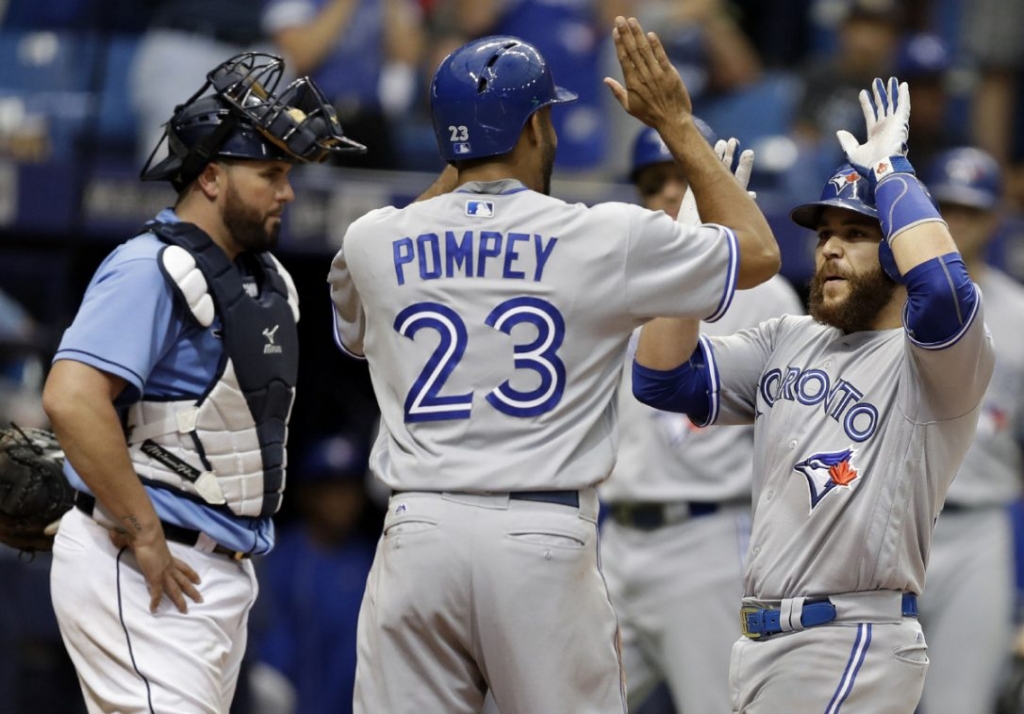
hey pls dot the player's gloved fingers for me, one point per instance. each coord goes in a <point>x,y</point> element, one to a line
<point>720,149</point>
<point>881,99</point>
<point>868,108</point>
<point>849,143</point>
<point>745,167</point>
<point>730,152</point>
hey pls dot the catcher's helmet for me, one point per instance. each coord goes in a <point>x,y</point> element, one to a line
<point>845,189</point>
<point>648,148</point>
<point>245,118</point>
<point>967,177</point>
<point>483,93</point>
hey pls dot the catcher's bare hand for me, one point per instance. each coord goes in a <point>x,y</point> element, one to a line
<point>654,92</point>
<point>164,573</point>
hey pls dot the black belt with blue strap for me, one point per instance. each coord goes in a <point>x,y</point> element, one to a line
<point>86,503</point>
<point>758,622</point>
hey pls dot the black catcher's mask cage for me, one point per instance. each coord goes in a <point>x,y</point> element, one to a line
<point>299,123</point>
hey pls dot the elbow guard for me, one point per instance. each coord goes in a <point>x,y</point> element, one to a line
<point>941,301</point>
<point>685,389</point>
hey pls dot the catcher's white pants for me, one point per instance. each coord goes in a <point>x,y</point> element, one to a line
<point>130,660</point>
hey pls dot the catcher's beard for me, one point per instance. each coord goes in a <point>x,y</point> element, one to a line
<point>868,294</point>
<point>248,226</point>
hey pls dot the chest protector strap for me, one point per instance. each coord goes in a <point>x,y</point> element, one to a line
<point>226,446</point>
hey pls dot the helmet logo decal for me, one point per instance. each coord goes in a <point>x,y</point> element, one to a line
<point>827,470</point>
<point>842,180</point>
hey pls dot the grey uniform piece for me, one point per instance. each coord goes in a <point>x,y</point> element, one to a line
<point>495,321</point>
<point>858,437</point>
<point>968,611</point>
<point>675,586</point>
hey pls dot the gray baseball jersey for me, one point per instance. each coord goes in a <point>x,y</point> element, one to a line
<point>968,610</point>
<point>994,465</point>
<point>496,319</point>
<point>663,457</point>
<point>857,438</point>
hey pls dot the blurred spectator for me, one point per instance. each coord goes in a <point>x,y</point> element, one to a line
<point>21,366</point>
<point>184,40</point>
<point>313,580</point>
<point>923,61</point>
<point>570,35</point>
<point>968,603</point>
<point>867,40</point>
<point>991,41</point>
<point>363,54</point>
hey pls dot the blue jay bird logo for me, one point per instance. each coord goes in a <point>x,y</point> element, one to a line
<point>826,470</point>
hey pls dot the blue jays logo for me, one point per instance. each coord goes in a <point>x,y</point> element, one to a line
<point>826,470</point>
<point>841,181</point>
<point>482,209</point>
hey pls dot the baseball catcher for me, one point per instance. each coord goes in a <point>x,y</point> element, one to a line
<point>34,493</point>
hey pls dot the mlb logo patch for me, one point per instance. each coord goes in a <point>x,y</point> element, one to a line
<point>483,209</point>
<point>462,147</point>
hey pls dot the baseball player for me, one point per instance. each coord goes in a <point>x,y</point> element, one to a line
<point>170,394</point>
<point>859,428</point>
<point>968,611</point>
<point>679,503</point>
<point>495,320</point>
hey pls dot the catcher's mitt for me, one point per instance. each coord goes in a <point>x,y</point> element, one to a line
<point>34,492</point>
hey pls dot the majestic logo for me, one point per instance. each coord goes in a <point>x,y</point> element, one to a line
<point>826,470</point>
<point>481,209</point>
<point>270,348</point>
<point>841,181</point>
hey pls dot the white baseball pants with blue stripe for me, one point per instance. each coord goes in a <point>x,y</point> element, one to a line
<point>845,668</point>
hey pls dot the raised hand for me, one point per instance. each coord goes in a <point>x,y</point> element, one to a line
<point>654,92</point>
<point>887,115</point>
<point>725,150</point>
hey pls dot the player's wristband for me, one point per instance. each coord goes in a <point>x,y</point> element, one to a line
<point>902,203</point>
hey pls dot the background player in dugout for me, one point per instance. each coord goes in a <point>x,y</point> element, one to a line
<point>679,500</point>
<point>170,394</point>
<point>494,584</point>
<point>968,608</point>
<point>859,431</point>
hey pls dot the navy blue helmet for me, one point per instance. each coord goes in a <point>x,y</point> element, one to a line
<point>845,189</point>
<point>483,93</point>
<point>965,176</point>
<point>648,148</point>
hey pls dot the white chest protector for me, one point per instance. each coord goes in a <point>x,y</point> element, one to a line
<point>225,447</point>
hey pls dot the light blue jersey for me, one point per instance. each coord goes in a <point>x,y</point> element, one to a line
<point>131,325</point>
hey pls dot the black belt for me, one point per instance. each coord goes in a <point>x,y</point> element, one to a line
<point>648,516</point>
<point>86,503</point>
<point>758,622</point>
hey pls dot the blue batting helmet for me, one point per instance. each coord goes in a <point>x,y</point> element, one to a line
<point>845,189</point>
<point>967,177</point>
<point>483,93</point>
<point>648,148</point>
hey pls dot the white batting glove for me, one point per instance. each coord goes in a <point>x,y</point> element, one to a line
<point>688,215</point>
<point>887,115</point>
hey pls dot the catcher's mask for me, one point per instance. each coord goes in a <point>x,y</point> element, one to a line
<point>245,117</point>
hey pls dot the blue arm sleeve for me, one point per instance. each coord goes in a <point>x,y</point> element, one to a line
<point>684,389</point>
<point>941,301</point>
